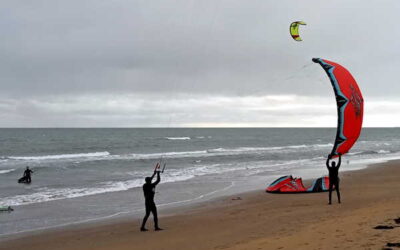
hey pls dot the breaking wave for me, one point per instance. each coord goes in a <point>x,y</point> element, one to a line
<point>6,171</point>
<point>175,155</point>
<point>61,156</point>
<point>370,152</point>
<point>177,138</point>
<point>173,175</point>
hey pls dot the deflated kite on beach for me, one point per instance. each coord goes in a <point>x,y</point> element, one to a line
<point>288,184</point>
<point>350,106</point>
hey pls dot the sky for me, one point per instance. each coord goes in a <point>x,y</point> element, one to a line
<point>190,63</point>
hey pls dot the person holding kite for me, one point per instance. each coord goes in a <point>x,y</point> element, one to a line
<point>149,190</point>
<point>350,109</point>
<point>334,177</point>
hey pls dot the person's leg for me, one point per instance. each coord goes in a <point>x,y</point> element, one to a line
<point>148,209</point>
<point>155,216</point>
<point>330,191</point>
<point>337,190</point>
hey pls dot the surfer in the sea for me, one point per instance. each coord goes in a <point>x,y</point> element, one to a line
<point>149,190</point>
<point>27,176</point>
<point>333,177</point>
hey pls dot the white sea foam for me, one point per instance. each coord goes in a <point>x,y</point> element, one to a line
<point>213,152</point>
<point>172,175</point>
<point>61,156</point>
<point>182,154</point>
<point>370,152</point>
<point>5,171</point>
<point>178,138</point>
<point>255,149</point>
<point>52,194</point>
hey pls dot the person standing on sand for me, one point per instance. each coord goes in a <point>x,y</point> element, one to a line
<point>333,177</point>
<point>149,189</point>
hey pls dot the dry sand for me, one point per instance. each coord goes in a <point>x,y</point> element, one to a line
<point>259,220</point>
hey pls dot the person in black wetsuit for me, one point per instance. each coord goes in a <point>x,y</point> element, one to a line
<point>27,175</point>
<point>149,190</point>
<point>333,177</point>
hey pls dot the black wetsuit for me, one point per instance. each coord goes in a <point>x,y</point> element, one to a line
<point>149,190</point>
<point>27,175</point>
<point>334,178</point>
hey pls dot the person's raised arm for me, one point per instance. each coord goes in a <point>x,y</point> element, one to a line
<point>155,171</point>
<point>154,174</point>
<point>158,178</point>
<point>327,161</point>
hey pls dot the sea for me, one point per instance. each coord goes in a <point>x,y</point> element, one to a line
<point>95,174</point>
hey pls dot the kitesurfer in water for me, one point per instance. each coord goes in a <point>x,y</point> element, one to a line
<point>27,176</point>
<point>333,177</point>
<point>149,190</point>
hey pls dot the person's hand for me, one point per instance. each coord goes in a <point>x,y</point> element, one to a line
<point>157,167</point>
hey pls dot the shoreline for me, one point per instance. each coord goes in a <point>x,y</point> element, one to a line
<point>241,217</point>
<point>180,205</point>
<point>231,188</point>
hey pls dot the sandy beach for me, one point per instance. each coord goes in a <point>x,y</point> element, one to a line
<point>257,220</point>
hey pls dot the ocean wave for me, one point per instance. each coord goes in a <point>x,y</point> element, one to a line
<point>183,154</point>
<point>6,171</point>
<point>95,156</point>
<point>380,143</point>
<point>172,175</point>
<point>52,194</point>
<point>61,156</point>
<point>178,138</point>
<point>217,152</point>
<point>253,149</point>
<point>370,152</point>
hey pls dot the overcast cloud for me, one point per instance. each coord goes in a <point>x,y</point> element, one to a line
<point>192,63</point>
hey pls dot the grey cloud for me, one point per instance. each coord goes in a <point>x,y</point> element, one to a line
<point>183,110</point>
<point>51,50</point>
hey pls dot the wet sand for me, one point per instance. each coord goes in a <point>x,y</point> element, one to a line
<point>258,220</point>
